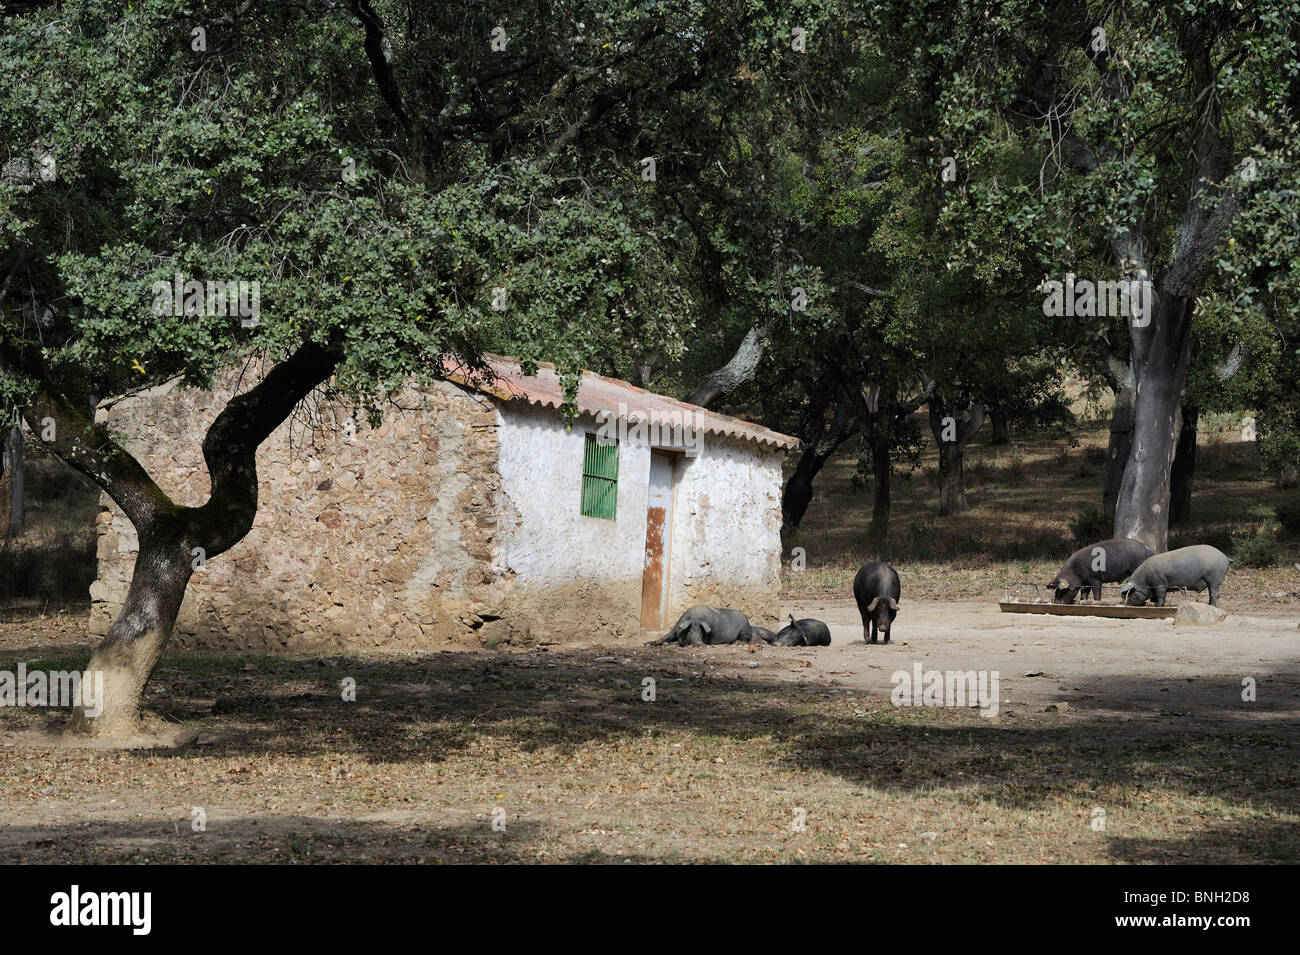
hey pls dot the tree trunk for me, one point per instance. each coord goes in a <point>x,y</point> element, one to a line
<point>168,533</point>
<point>1001,428</point>
<point>1121,443</point>
<point>740,370</point>
<point>882,472</point>
<point>135,642</point>
<point>952,435</point>
<point>13,510</point>
<point>4,492</point>
<point>798,490</point>
<point>1184,467</point>
<point>952,480</point>
<point>1161,352</point>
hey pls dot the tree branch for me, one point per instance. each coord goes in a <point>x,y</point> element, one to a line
<point>84,445</point>
<point>230,447</point>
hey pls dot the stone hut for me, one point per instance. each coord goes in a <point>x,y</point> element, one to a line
<point>475,514</point>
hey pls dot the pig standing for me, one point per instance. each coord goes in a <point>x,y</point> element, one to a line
<point>876,589</point>
<point>711,625</point>
<point>1090,567</point>
<point>1195,568</point>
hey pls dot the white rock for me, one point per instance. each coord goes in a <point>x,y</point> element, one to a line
<point>1198,614</point>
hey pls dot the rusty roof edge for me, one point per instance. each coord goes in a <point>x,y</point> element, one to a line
<point>714,422</point>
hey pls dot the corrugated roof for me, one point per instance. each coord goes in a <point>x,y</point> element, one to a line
<point>597,394</point>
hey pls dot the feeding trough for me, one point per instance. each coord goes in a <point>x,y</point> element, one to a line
<point>1030,597</point>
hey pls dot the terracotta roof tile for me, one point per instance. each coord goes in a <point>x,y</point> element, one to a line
<point>597,394</point>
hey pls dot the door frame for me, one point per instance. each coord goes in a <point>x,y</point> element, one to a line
<point>671,458</point>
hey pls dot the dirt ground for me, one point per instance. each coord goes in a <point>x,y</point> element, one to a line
<point>763,754</point>
<point>1100,667</point>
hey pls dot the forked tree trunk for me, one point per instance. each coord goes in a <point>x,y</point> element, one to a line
<point>1160,357</point>
<point>168,533</point>
<point>1184,468</point>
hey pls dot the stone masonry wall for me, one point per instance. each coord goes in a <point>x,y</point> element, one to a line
<point>367,539</point>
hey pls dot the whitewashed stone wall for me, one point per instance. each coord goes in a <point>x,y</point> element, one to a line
<point>727,530</point>
<point>725,550</point>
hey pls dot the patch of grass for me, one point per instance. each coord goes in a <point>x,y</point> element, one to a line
<point>1095,455</point>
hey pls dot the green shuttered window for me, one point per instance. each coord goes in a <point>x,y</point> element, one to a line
<point>599,479</point>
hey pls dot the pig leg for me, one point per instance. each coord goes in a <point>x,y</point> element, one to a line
<point>874,631</point>
<point>1096,591</point>
<point>1214,593</point>
<point>668,637</point>
<point>1158,594</point>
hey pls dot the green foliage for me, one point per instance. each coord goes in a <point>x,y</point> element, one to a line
<point>1065,149</point>
<point>1091,523</point>
<point>1257,548</point>
<point>475,169</point>
<point>1288,514</point>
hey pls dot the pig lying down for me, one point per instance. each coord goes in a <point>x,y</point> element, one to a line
<point>1195,568</point>
<point>706,625</point>
<point>1102,563</point>
<point>715,626</point>
<point>804,633</point>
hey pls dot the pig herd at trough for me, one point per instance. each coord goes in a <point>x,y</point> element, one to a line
<point>1146,576</point>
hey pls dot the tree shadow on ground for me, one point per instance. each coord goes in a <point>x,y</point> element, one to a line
<point>288,840</point>
<point>425,709</point>
<point>428,707</point>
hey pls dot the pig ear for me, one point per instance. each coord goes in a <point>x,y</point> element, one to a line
<point>705,627</point>
<point>871,607</point>
<point>1061,584</point>
<point>893,604</point>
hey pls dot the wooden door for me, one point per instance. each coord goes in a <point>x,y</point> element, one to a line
<point>658,542</point>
